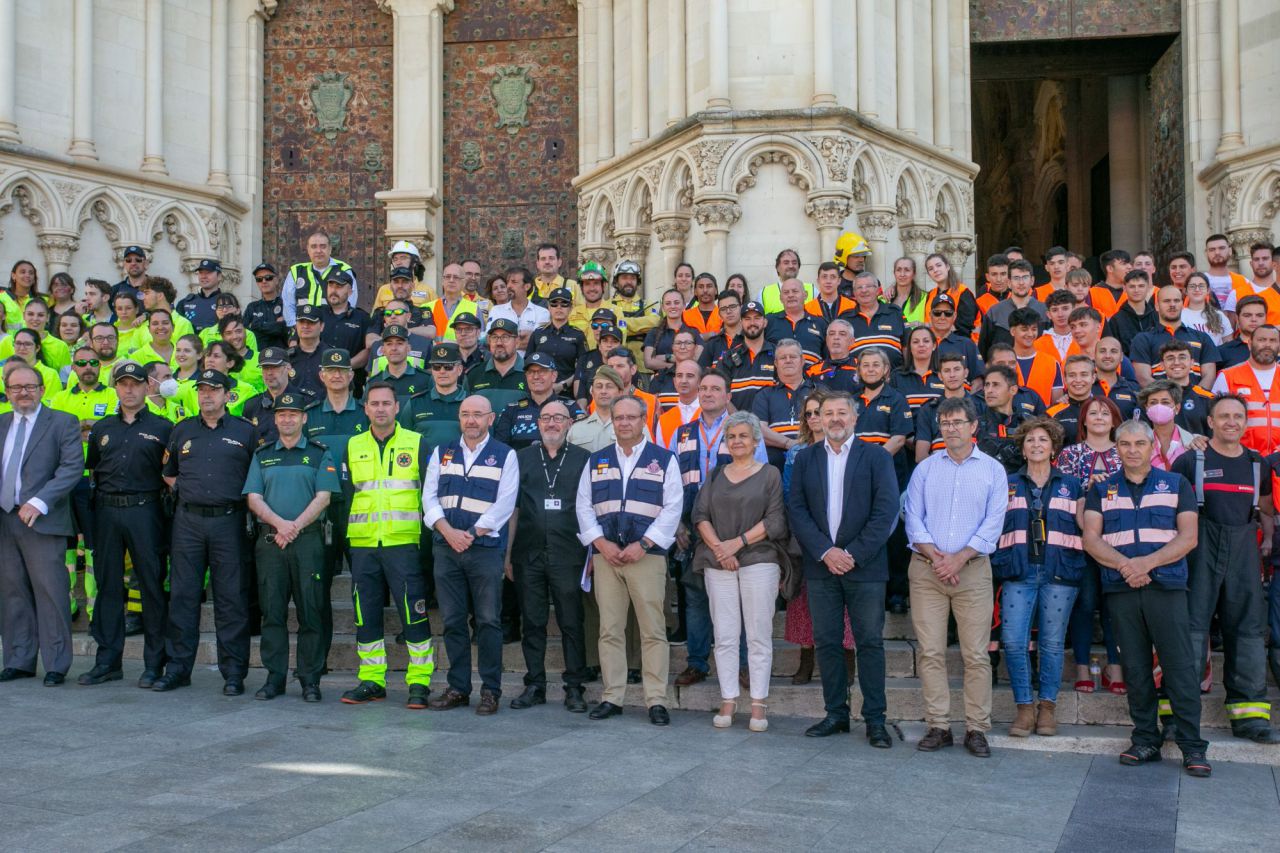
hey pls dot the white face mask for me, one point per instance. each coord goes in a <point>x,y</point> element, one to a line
<point>169,388</point>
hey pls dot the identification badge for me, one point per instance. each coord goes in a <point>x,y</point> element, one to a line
<point>551,503</point>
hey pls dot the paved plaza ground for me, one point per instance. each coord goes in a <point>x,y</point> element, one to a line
<point>114,767</point>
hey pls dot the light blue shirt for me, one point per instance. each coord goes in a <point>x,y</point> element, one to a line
<point>952,505</point>
<point>709,455</point>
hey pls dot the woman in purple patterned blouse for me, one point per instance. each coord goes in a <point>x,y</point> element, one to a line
<point>1091,459</point>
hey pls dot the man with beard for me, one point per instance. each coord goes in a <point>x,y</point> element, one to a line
<point>500,379</point>
<point>635,318</point>
<point>1256,382</point>
<point>105,340</point>
<point>345,326</point>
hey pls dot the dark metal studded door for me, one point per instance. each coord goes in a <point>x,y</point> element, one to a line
<point>327,132</point>
<point>510,130</point>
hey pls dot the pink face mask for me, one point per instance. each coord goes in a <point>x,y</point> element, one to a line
<point>1160,414</point>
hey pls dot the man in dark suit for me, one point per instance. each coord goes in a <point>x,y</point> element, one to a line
<point>850,568</point>
<point>41,461</point>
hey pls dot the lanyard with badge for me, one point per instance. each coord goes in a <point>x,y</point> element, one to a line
<point>550,504</point>
<point>709,445</point>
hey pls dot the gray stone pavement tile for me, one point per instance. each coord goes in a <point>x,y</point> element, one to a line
<point>639,825</point>
<point>498,831</point>
<point>1096,835</point>
<point>745,830</point>
<point>964,840</point>
<point>89,833</point>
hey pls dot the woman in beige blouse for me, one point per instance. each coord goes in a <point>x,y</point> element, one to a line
<point>742,525</point>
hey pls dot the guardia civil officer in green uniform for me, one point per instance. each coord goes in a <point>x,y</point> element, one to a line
<point>433,413</point>
<point>406,379</point>
<point>385,470</point>
<point>206,464</point>
<point>125,454</point>
<point>500,377</point>
<point>288,489</point>
<point>332,421</point>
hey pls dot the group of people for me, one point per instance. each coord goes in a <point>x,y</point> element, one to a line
<point>1070,450</point>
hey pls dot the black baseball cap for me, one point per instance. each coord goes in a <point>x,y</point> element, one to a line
<point>290,402</point>
<point>213,378</point>
<point>605,314</point>
<point>335,357</point>
<point>560,294</point>
<point>752,306</point>
<point>340,276</point>
<point>609,330</point>
<point>466,318</point>
<point>401,272</point>
<point>539,359</point>
<point>264,267</point>
<point>131,370</point>
<point>209,265</point>
<point>309,312</point>
<point>134,250</point>
<point>944,300</point>
<point>445,352</point>
<point>395,330</point>
<point>502,324</point>
<point>272,357</point>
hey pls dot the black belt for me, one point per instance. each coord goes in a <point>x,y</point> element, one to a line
<point>127,500</point>
<point>212,511</point>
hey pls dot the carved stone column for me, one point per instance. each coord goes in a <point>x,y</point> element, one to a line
<point>957,248</point>
<point>82,147</point>
<point>829,210</point>
<point>717,216</point>
<point>917,236</point>
<point>874,224</point>
<point>1241,238</point>
<point>218,99</point>
<point>57,248</point>
<point>9,71</point>
<point>153,91</point>
<point>672,231</point>
<point>602,253</point>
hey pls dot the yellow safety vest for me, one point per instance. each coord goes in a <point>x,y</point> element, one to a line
<point>387,507</point>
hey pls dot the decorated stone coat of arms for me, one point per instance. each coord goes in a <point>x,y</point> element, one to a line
<point>511,87</point>
<point>330,94</point>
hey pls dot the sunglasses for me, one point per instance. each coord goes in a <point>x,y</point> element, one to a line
<point>443,366</point>
<point>943,313</point>
<point>395,312</point>
<point>559,303</point>
<point>264,278</point>
<point>86,362</point>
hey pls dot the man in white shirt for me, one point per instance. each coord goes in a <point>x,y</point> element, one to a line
<point>527,315</point>
<point>628,505</point>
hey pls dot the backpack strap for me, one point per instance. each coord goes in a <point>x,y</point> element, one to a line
<point>1199,483</point>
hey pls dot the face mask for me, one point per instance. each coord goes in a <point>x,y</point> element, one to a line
<point>169,388</point>
<point>872,385</point>
<point>1160,413</point>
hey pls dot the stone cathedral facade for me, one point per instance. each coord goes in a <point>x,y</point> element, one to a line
<point>713,131</point>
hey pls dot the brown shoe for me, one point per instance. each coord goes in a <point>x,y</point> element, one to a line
<point>1024,721</point>
<point>690,676</point>
<point>1046,720</point>
<point>976,743</point>
<point>935,739</point>
<point>488,704</point>
<point>448,700</point>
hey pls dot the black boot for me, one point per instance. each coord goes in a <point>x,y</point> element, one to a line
<point>804,674</point>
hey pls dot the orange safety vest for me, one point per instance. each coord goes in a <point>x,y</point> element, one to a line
<point>843,304</point>
<point>1044,368</point>
<point>671,420</point>
<point>1043,290</point>
<point>986,302</point>
<point>1106,304</point>
<point>1262,429</point>
<point>703,326</point>
<point>1045,344</point>
<point>1271,296</point>
<point>955,295</point>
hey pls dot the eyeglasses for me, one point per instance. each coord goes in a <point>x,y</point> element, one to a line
<point>23,389</point>
<point>812,413</point>
<point>443,366</point>
<point>555,419</point>
<point>943,313</point>
<point>87,362</point>
<point>264,278</point>
<point>102,338</point>
<point>953,424</point>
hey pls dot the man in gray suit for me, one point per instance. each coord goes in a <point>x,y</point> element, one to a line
<point>41,461</point>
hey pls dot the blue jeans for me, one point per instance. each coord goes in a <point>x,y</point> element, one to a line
<point>697,622</point>
<point>1048,604</point>
<point>1090,598</point>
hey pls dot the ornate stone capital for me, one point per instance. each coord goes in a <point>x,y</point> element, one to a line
<point>602,253</point>
<point>58,247</point>
<point>836,151</point>
<point>671,229</point>
<point>957,248</point>
<point>917,236</point>
<point>829,211</point>
<point>632,244</point>
<point>707,155</point>
<point>718,215</point>
<point>874,223</point>
<point>1244,236</point>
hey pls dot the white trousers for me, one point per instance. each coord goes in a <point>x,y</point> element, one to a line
<point>745,598</point>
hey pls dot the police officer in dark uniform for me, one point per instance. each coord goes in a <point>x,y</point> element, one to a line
<point>517,425</point>
<point>608,338</point>
<point>288,489</point>
<point>275,373</point>
<point>345,330</point>
<point>305,354</point>
<point>562,342</point>
<point>265,317</point>
<point>200,307</point>
<point>547,557</point>
<point>332,420</point>
<point>433,413</point>
<point>206,464</point>
<point>125,454</point>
